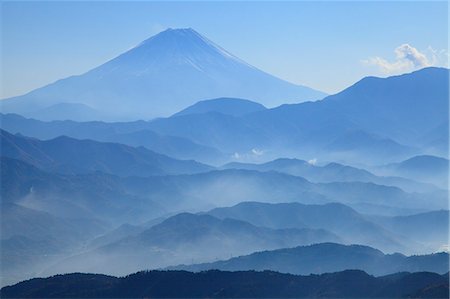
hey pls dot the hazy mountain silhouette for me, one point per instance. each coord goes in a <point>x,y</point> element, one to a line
<point>117,200</point>
<point>342,220</point>
<point>424,167</point>
<point>161,76</point>
<point>72,156</point>
<point>205,190</point>
<point>64,111</point>
<point>33,239</point>
<point>328,257</point>
<point>331,172</point>
<point>341,127</point>
<point>436,139</point>
<point>172,146</point>
<point>314,128</point>
<point>93,196</point>
<point>424,92</point>
<point>185,238</point>
<point>235,107</point>
<point>370,144</point>
<point>133,134</point>
<point>431,228</point>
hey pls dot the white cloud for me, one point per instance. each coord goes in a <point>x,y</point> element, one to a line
<point>411,54</point>
<point>312,161</point>
<point>408,58</point>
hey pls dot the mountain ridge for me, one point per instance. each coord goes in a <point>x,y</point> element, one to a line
<point>243,284</point>
<point>69,155</point>
<point>326,258</point>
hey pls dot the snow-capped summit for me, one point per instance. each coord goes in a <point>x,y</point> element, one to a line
<point>172,47</point>
<point>160,76</point>
<point>186,41</point>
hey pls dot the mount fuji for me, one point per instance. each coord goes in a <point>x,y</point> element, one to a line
<point>160,76</point>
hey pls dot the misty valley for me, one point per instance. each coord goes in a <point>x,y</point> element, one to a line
<point>177,170</point>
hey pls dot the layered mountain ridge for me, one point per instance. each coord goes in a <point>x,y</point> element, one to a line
<point>243,172</point>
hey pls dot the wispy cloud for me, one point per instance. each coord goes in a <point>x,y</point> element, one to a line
<point>412,55</point>
<point>257,152</point>
<point>407,58</point>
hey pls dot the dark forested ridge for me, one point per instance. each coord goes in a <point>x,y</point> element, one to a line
<point>246,284</point>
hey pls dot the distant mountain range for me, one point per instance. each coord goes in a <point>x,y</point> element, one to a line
<point>158,77</point>
<point>326,258</point>
<point>71,156</point>
<point>133,134</point>
<point>25,184</point>
<point>93,196</point>
<point>32,239</point>
<point>106,201</point>
<point>243,284</point>
<point>203,190</point>
<point>379,105</point>
<point>425,168</point>
<point>204,237</point>
<point>340,219</point>
<point>331,172</point>
<point>46,217</point>
<point>139,134</point>
<point>341,127</point>
<point>429,228</point>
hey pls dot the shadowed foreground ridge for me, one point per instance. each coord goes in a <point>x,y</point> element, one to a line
<point>242,284</point>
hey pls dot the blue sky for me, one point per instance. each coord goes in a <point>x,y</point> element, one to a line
<point>324,45</point>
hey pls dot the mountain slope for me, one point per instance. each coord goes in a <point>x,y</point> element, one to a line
<point>46,217</point>
<point>310,129</point>
<point>176,147</point>
<point>93,196</point>
<point>32,239</point>
<point>235,107</point>
<point>161,76</point>
<point>370,144</point>
<point>331,172</point>
<point>197,192</point>
<point>185,238</point>
<point>205,191</point>
<point>328,257</point>
<point>132,134</point>
<point>425,163</point>
<point>406,106</point>
<point>431,228</point>
<point>353,227</point>
<point>424,167</point>
<point>72,156</point>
